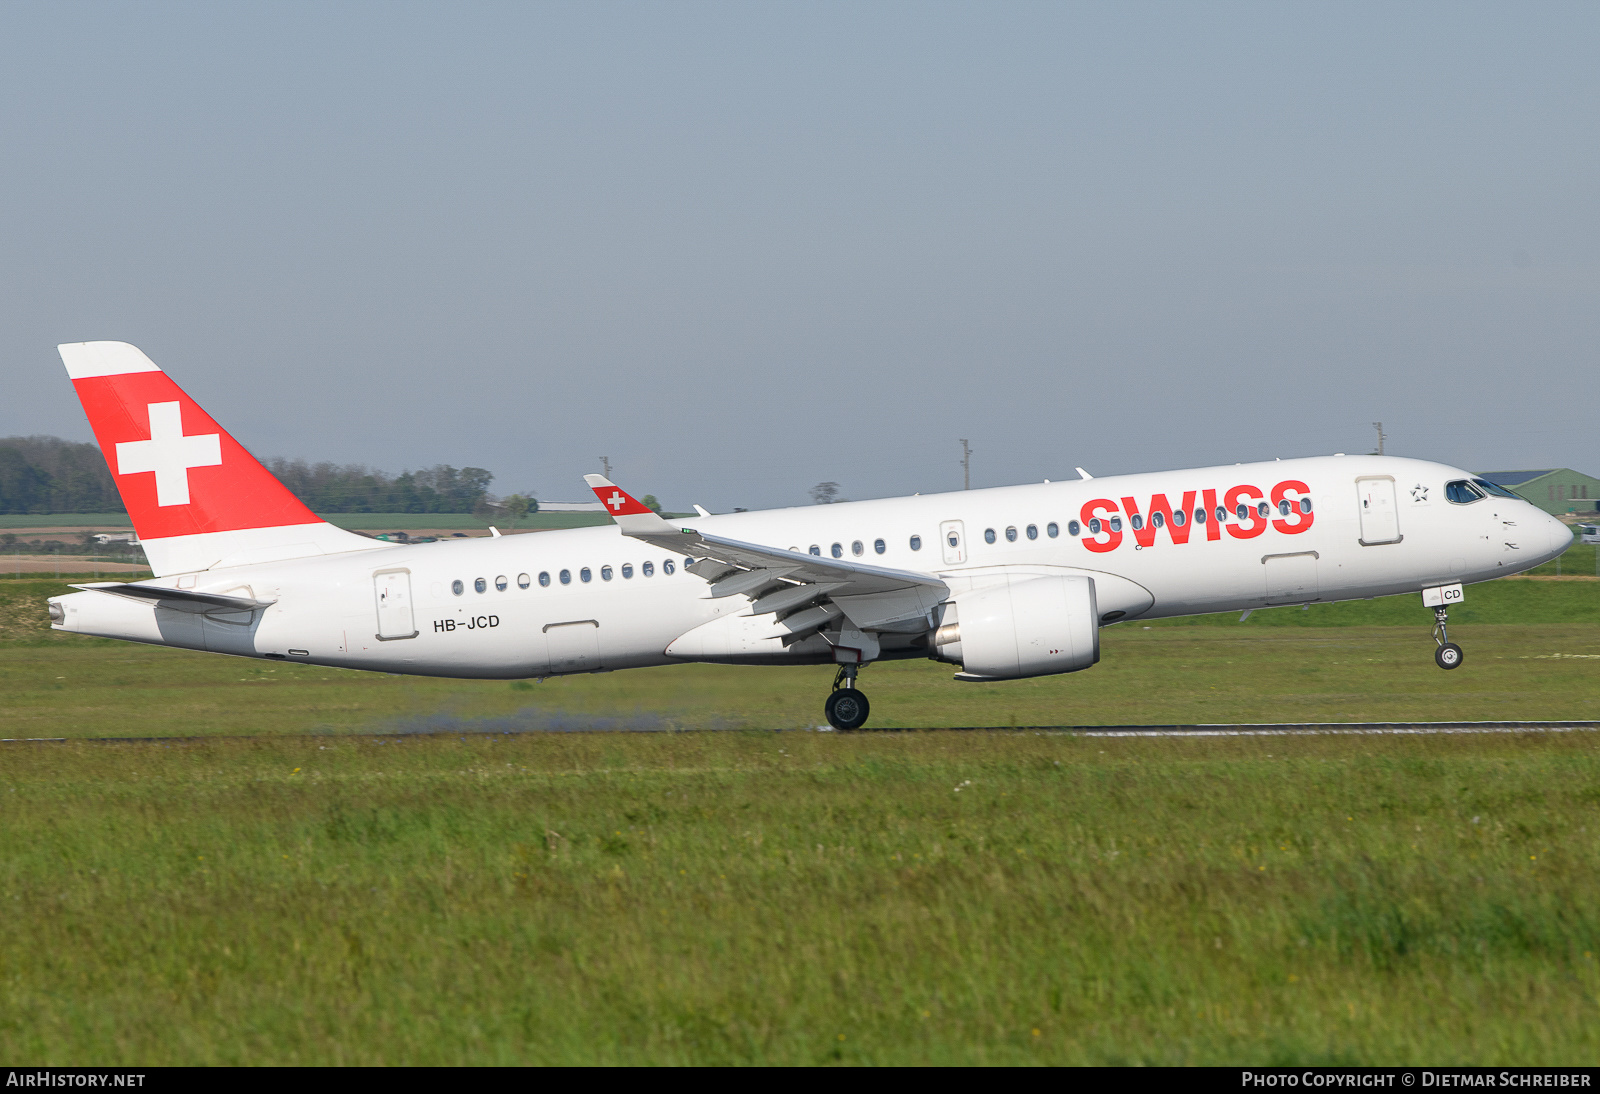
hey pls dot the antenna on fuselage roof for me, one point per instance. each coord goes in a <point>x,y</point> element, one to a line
<point>1082,474</point>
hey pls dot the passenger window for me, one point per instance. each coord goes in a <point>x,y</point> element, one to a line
<point>1243,511</point>
<point>916,543</point>
<point>1222,515</point>
<point>1199,516</point>
<point>988,535</point>
<point>879,546</point>
<point>544,579</point>
<point>1263,509</point>
<point>1094,526</point>
<point>585,575</point>
<point>648,569</point>
<point>1033,531</point>
<point>627,570</point>
<point>1461,492</point>
<point>1052,531</point>
<point>480,585</point>
<point>837,550</point>
<point>856,548</point>
<point>457,588</point>
<point>1116,524</point>
<point>566,577</point>
<point>523,581</point>
<point>605,573</point>
<point>1283,508</point>
<point>500,583</point>
<point>667,567</point>
<point>1011,534</point>
<point>1157,520</point>
<point>1178,518</point>
<point>816,550</point>
<point>1305,505</point>
<point>1137,521</point>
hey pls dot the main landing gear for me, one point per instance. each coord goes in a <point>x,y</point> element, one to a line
<point>846,708</point>
<point>1448,655</point>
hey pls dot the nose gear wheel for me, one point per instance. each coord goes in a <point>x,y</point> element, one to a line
<point>1448,655</point>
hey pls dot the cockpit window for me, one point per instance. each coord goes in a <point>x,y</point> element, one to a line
<point>1497,491</point>
<point>1462,492</point>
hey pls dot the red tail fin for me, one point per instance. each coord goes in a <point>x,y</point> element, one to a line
<point>180,473</point>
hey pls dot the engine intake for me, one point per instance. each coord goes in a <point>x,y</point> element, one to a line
<point>1036,626</point>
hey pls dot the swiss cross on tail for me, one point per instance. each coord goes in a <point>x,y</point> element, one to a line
<point>169,453</point>
<point>178,471</point>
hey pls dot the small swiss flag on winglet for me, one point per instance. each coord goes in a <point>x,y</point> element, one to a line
<point>617,501</point>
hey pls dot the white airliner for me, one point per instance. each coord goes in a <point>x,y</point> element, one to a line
<point>1005,583</point>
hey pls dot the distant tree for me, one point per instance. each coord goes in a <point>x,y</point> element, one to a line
<point>518,506</point>
<point>331,488</point>
<point>50,475</point>
<point>825,493</point>
<point>649,502</point>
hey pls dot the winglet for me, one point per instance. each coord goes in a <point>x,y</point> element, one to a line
<point>632,515</point>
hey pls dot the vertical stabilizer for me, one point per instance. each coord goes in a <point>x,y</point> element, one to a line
<point>197,499</point>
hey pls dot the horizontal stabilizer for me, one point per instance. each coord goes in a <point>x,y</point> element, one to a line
<point>183,600</point>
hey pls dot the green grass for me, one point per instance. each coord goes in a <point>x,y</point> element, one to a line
<point>65,520</point>
<point>802,898</point>
<point>757,897</point>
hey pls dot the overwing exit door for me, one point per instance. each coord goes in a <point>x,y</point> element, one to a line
<point>953,542</point>
<point>1380,513</point>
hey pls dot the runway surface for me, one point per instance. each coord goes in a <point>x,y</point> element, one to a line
<point>498,728</point>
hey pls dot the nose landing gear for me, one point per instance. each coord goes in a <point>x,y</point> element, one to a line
<point>846,707</point>
<point>1448,655</point>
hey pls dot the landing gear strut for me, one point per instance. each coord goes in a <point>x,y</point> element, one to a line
<point>846,707</point>
<point>1448,655</point>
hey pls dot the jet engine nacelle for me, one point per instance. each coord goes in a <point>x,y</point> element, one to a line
<point>1033,626</point>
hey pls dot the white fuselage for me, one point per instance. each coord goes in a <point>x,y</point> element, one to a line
<point>330,609</point>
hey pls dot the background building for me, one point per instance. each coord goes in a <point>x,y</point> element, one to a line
<point>1556,490</point>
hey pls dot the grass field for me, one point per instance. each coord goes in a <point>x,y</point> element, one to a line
<point>757,897</point>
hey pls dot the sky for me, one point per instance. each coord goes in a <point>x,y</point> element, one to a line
<point>744,248</point>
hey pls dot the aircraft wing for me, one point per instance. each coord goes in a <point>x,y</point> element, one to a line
<point>779,580</point>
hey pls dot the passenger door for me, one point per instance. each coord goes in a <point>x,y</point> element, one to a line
<point>1380,514</point>
<point>393,591</point>
<point>953,542</point>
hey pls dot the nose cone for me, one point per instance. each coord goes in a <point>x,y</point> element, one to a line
<point>1560,535</point>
